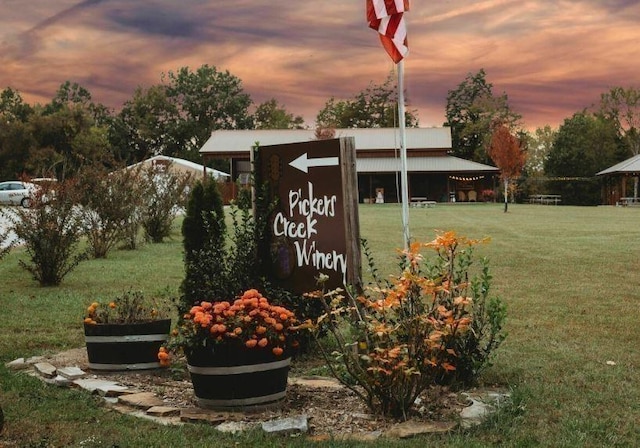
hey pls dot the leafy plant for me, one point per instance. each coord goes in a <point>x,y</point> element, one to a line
<point>109,204</point>
<point>165,193</point>
<point>5,241</point>
<point>204,233</point>
<point>51,231</point>
<point>397,340</point>
<point>129,307</point>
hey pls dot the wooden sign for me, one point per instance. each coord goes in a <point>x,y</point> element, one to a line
<point>315,226</point>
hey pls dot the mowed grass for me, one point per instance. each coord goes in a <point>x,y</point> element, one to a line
<point>569,276</point>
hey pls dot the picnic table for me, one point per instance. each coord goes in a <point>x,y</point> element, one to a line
<point>419,201</point>
<point>545,199</point>
<point>629,201</point>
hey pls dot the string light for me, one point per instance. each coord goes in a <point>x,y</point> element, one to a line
<point>466,179</point>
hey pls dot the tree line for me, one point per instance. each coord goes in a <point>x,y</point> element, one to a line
<point>176,116</point>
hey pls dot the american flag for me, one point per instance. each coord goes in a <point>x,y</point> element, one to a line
<point>386,17</point>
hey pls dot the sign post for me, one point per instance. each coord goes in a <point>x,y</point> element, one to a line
<point>314,228</point>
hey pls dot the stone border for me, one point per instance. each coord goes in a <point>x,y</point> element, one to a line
<point>152,407</point>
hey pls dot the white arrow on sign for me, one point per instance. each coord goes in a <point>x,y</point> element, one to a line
<point>303,163</point>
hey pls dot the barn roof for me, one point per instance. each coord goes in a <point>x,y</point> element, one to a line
<point>241,141</point>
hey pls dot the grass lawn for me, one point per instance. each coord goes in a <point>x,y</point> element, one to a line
<point>569,276</point>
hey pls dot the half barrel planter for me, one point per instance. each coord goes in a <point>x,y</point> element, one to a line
<point>125,346</point>
<point>228,377</point>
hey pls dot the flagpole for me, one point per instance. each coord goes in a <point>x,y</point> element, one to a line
<point>404,187</point>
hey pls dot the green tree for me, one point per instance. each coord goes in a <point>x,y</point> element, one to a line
<point>374,107</point>
<point>585,144</point>
<point>74,137</point>
<point>271,115</point>
<point>471,109</point>
<point>539,145</point>
<point>623,107</point>
<point>13,107</point>
<point>206,100</point>
<point>16,139</point>
<point>145,125</point>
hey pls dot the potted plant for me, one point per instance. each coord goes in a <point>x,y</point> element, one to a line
<point>125,333</point>
<point>238,353</point>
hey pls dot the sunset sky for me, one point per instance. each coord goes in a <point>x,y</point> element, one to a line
<point>551,57</point>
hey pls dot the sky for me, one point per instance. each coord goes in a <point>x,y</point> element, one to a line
<point>551,57</point>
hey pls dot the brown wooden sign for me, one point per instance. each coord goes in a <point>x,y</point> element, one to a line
<point>315,226</point>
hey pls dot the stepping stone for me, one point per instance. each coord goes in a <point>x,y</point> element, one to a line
<point>17,364</point>
<point>197,415</point>
<point>233,427</point>
<point>45,370</point>
<point>409,429</point>
<point>142,400</point>
<point>34,359</point>
<point>163,411</point>
<point>102,387</point>
<point>72,373</point>
<point>290,425</point>
<point>61,381</point>
<point>318,382</point>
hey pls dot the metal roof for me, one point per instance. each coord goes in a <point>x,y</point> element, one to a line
<point>241,141</point>
<point>629,166</point>
<point>448,164</point>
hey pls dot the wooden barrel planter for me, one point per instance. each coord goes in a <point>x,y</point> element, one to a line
<point>226,377</point>
<point>125,346</point>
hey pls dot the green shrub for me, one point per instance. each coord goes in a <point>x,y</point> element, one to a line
<point>165,193</point>
<point>51,231</point>
<point>204,239</point>
<point>109,204</point>
<point>5,242</point>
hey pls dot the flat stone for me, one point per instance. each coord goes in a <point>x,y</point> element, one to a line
<point>409,429</point>
<point>197,415</point>
<point>45,370</point>
<point>482,405</point>
<point>94,385</point>
<point>34,359</point>
<point>142,400</point>
<point>233,427</point>
<point>474,414</point>
<point>72,373</point>
<point>289,425</point>
<point>61,381</point>
<point>163,411</point>
<point>113,391</point>
<point>17,364</point>
<point>317,382</point>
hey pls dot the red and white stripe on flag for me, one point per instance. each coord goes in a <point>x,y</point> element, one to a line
<point>386,17</point>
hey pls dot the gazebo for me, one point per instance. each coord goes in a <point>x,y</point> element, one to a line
<point>616,178</point>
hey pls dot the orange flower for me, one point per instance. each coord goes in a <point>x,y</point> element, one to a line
<point>263,342</point>
<point>277,351</point>
<point>251,343</point>
<point>261,330</point>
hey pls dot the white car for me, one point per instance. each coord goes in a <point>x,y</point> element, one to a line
<point>15,192</point>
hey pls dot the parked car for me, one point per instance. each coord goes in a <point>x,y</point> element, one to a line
<point>15,192</point>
